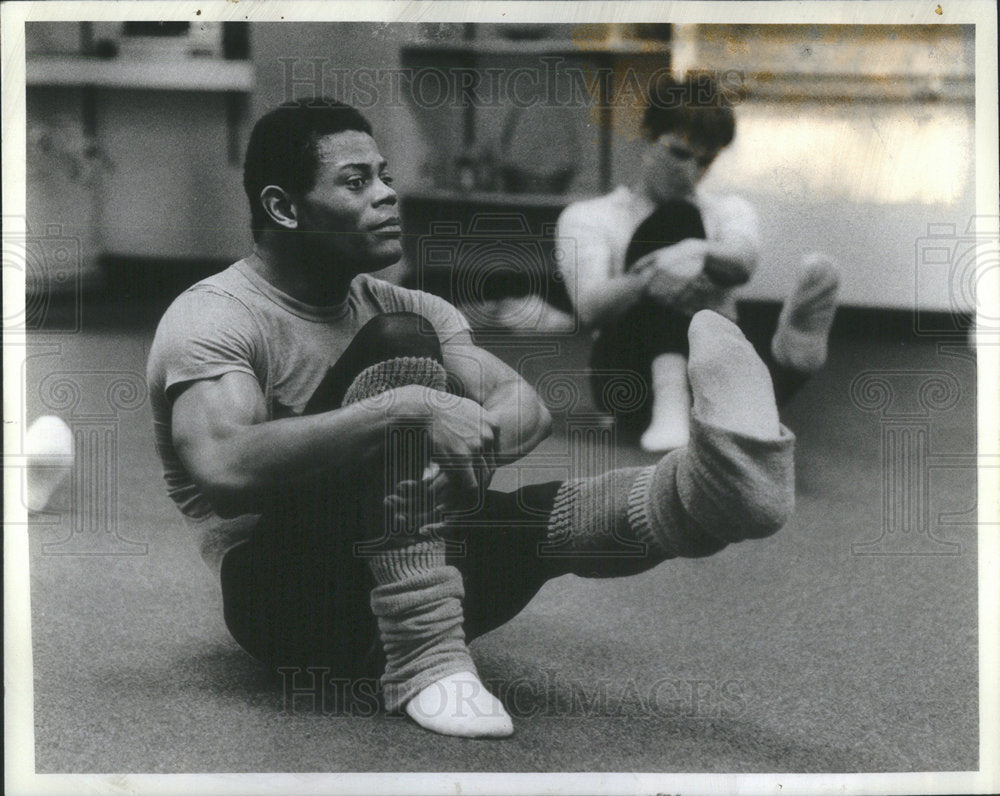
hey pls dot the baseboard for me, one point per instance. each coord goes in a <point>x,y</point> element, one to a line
<point>876,322</point>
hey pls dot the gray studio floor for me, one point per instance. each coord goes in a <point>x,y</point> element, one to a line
<point>796,653</point>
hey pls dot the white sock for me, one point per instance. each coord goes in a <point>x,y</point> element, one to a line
<point>804,324</point>
<point>732,388</point>
<point>670,426</point>
<point>460,705</point>
<point>48,444</point>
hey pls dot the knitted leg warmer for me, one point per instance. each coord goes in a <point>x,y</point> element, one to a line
<point>723,487</point>
<point>417,600</point>
<point>417,596</point>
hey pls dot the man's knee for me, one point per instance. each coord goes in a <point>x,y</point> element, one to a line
<point>397,334</point>
<point>389,336</point>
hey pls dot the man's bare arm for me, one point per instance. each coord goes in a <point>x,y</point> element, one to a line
<point>517,413</point>
<point>233,453</point>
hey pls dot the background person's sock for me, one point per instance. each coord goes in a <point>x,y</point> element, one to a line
<point>800,340</point>
<point>668,428</point>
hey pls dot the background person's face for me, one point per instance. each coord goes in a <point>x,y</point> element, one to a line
<point>350,217</point>
<point>672,166</point>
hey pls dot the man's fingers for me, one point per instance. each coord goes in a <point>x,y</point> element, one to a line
<point>482,471</point>
<point>465,480</point>
<point>408,489</point>
<point>439,485</point>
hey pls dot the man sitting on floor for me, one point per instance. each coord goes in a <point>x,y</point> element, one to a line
<point>327,434</point>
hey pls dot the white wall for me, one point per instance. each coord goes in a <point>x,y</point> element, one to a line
<point>866,183</point>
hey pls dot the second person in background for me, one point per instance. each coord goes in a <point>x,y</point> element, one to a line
<point>640,261</point>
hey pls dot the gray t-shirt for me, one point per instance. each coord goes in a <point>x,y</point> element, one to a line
<point>236,321</point>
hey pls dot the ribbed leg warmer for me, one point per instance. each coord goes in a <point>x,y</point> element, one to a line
<point>723,487</point>
<point>417,598</point>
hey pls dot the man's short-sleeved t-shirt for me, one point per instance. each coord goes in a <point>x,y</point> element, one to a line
<point>236,321</point>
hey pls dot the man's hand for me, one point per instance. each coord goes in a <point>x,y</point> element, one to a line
<point>463,448</point>
<point>464,439</point>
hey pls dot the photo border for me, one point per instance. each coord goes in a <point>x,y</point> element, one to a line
<point>19,728</point>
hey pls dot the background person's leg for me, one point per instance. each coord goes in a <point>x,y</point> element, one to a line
<point>629,345</point>
<point>658,333</point>
<point>796,346</point>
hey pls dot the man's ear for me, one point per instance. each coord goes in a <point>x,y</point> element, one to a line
<point>279,206</point>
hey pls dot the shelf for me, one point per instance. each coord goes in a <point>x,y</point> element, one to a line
<point>193,74</point>
<point>501,199</point>
<point>566,48</point>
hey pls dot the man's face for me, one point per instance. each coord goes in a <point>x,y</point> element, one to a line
<point>672,165</point>
<point>350,217</point>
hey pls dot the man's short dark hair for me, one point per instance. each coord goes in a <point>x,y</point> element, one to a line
<point>694,107</point>
<point>282,149</point>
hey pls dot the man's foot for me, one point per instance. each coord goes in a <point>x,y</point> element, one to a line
<point>460,705</point>
<point>669,427</point>
<point>731,386</point>
<point>800,340</point>
<point>48,444</point>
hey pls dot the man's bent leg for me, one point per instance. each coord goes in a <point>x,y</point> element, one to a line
<point>417,597</point>
<point>297,594</point>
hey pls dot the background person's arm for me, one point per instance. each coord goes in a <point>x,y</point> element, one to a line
<point>585,264</point>
<point>694,272</point>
